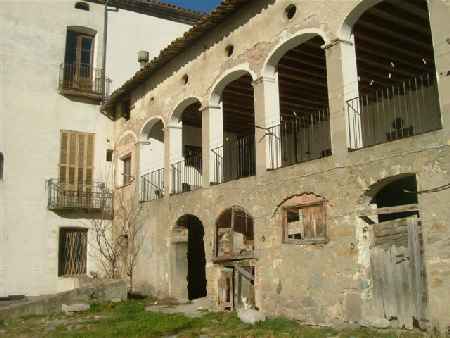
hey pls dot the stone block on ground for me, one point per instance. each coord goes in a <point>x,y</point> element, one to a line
<point>75,308</point>
<point>251,316</point>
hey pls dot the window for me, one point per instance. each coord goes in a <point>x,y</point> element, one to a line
<point>78,59</point>
<point>72,252</point>
<point>305,223</point>
<point>126,170</point>
<point>2,163</point>
<point>76,163</point>
<point>109,155</point>
<point>234,233</point>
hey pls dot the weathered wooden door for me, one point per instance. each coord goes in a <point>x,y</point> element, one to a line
<point>397,271</point>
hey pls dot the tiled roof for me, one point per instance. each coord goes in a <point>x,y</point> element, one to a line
<point>204,25</point>
<point>156,8</point>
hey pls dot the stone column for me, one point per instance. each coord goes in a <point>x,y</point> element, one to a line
<point>212,140</point>
<point>175,151</point>
<point>267,115</point>
<point>342,81</point>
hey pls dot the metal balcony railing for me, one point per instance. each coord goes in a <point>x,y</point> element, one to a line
<point>152,185</point>
<point>187,175</point>
<point>300,139</point>
<point>72,197</point>
<point>235,159</point>
<point>402,110</point>
<point>82,78</point>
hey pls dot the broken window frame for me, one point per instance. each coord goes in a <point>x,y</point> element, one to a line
<point>247,251</point>
<point>315,238</point>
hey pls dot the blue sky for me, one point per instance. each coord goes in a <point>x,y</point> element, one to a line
<point>200,5</point>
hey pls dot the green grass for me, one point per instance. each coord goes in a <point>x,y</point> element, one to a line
<point>132,321</point>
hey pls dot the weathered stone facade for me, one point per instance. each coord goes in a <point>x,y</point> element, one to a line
<point>319,284</point>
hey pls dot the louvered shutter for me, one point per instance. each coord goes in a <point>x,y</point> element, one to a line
<point>76,165</point>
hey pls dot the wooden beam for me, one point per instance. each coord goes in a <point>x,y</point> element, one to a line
<point>389,210</point>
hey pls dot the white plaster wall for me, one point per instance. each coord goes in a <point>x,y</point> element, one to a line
<point>32,113</point>
<point>129,32</point>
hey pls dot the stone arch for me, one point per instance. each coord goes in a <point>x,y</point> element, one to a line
<point>226,78</point>
<point>177,114</point>
<point>148,125</point>
<point>127,137</point>
<point>345,32</point>
<point>286,44</point>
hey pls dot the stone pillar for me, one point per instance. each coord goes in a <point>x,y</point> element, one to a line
<point>267,115</point>
<point>342,82</point>
<point>439,12</point>
<point>167,167</point>
<point>175,151</point>
<point>212,140</point>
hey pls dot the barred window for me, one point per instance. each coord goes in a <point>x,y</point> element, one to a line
<point>72,252</point>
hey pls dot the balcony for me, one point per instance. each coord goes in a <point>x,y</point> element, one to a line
<point>87,198</point>
<point>152,185</point>
<point>82,80</point>
<point>234,160</point>
<point>187,175</point>
<point>405,109</point>
<point>299,139</point>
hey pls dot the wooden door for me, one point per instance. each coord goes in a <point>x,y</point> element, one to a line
<point>397,272</point>
<point>226,289</point>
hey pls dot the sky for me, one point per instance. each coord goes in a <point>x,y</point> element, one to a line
<point>199,5</point>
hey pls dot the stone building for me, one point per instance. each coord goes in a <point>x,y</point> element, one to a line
<point>293,155</point>
<point>55,174</point>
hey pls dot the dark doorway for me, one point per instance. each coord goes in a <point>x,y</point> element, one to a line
<point>401,191</point>
<point>195,256</point>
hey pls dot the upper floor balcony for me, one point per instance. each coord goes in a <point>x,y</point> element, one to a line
<point>82,80</point>
<point>85,198</point>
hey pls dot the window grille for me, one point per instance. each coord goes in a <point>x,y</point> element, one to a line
<point>72,252</point>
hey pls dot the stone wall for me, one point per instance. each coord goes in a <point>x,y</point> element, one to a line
<point>93,292</point>
<point>320,284</point>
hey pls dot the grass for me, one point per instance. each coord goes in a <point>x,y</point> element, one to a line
<point>132,321</point>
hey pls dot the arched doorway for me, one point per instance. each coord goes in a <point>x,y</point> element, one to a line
<point>152,160</point>
<point>390,72</point>
<point>195,254</point>
<point>396,253</point>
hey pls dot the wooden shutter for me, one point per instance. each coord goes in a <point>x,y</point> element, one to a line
<point>76,164</point>
<point>314,221</point>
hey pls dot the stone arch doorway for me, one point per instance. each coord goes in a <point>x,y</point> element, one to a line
<point>190,260</point>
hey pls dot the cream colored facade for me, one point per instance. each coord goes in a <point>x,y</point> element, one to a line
<point>32,115</point>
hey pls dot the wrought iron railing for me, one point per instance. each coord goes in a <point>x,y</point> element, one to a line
<point>86,196</point>
<point>152,185</point>
<point>300,139</point>
<point>187,175</point>
<point>386,114</point>
<point>234,160</point>
<point>82,78</point>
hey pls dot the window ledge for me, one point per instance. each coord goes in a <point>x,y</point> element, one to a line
<point>233,258</point>
<point>321,241</point>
